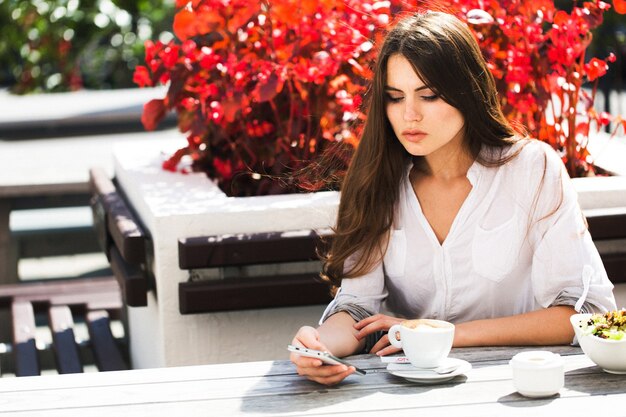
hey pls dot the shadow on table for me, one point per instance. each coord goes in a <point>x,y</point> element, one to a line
<point>290,392</point>
<point>517,400</point>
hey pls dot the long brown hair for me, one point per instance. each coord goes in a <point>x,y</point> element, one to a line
<point>445,55</point>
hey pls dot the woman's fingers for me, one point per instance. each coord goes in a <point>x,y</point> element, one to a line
<point>331,376</point>
<point>325,374</point>
<point>388,351</point>
<point>359,325</point>
<point>374,324</point>
<point>304,362</point>
<point>308,337</point>
<point>313,368</point>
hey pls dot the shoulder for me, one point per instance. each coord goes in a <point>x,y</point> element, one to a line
<point>534,168</point>
<point>531,158</point>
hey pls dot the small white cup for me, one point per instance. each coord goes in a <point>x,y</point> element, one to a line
<point>537,373</point>
<point>425,342</point>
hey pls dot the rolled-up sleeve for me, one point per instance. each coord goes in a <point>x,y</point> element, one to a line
<point>367,292</point>
<point>567,269</point>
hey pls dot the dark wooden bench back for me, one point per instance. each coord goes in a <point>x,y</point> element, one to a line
<point>239,293</point>
<point>307,289</point>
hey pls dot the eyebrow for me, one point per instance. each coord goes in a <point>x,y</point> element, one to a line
<point>389,88</point>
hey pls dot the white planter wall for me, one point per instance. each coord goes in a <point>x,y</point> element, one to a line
<point>174,206</point>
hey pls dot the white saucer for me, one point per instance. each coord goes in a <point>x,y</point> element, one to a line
<point>427,376</point>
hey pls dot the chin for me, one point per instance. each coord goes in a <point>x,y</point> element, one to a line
<point>413,150</point>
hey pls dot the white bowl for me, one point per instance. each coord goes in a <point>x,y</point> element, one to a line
<point>610,355</point>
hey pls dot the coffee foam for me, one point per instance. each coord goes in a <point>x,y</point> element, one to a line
<point>414,324</point>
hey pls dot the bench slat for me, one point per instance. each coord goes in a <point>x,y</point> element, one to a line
<point>607,223</point>
<point>251,293</point>
<point>63,340</point>
<point>264,292</point>
<point>24,346</point>
<point>615,265</point>
<point>106,352</point>
<point>67,291</point>
<point>247,249</point>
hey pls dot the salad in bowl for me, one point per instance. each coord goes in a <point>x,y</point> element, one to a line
<point>603,338</point>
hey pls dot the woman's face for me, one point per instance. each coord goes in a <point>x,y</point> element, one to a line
<point>422,121</point>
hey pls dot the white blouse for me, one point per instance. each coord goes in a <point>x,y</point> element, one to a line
<point>519,243</point>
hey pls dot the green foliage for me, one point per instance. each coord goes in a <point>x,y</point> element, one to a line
<point>61,45</point>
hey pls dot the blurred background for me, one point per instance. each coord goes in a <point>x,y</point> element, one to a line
<point>64,45</point>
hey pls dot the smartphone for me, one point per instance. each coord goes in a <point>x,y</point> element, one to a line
<point>325,357</point>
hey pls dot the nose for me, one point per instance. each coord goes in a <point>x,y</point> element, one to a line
<point>412,111</point>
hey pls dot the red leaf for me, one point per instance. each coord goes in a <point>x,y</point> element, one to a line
<point>242,16</point>
<point>172,163</point>
<point>561,18</point>
<point>309,6</point>
<point>596,68</point>
<point>141,76</point>
<point>184,24</point>
<point>620,6</point>
<point>188,23</point>
<point>153,113</point>
<point>289,14</point>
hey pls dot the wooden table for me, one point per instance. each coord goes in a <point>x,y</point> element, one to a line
<point>273,388</point>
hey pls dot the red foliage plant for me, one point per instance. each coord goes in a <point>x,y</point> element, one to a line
<point>537,55</point>
<point>263,88</point>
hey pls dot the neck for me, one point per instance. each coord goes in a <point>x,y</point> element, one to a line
<point>447,165</point>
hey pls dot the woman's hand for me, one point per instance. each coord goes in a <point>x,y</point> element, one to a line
<point>315,369</point>
<point>378,322</point>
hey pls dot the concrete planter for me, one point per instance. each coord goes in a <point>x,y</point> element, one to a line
<point>172,206</point>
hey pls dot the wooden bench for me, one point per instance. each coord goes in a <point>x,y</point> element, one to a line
<point>236,293</point>
<point>59,305</point>
<point>240,293</point>
<point>129,249</point>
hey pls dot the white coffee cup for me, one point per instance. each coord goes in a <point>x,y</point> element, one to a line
<point>425,342</point>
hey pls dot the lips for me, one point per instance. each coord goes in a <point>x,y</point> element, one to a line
<point>413,135</point>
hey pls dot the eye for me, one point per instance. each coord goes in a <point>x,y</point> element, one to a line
<point>394,99</point>
<point>431,97</point>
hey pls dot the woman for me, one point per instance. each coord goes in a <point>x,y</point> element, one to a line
<point>446,213</point>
